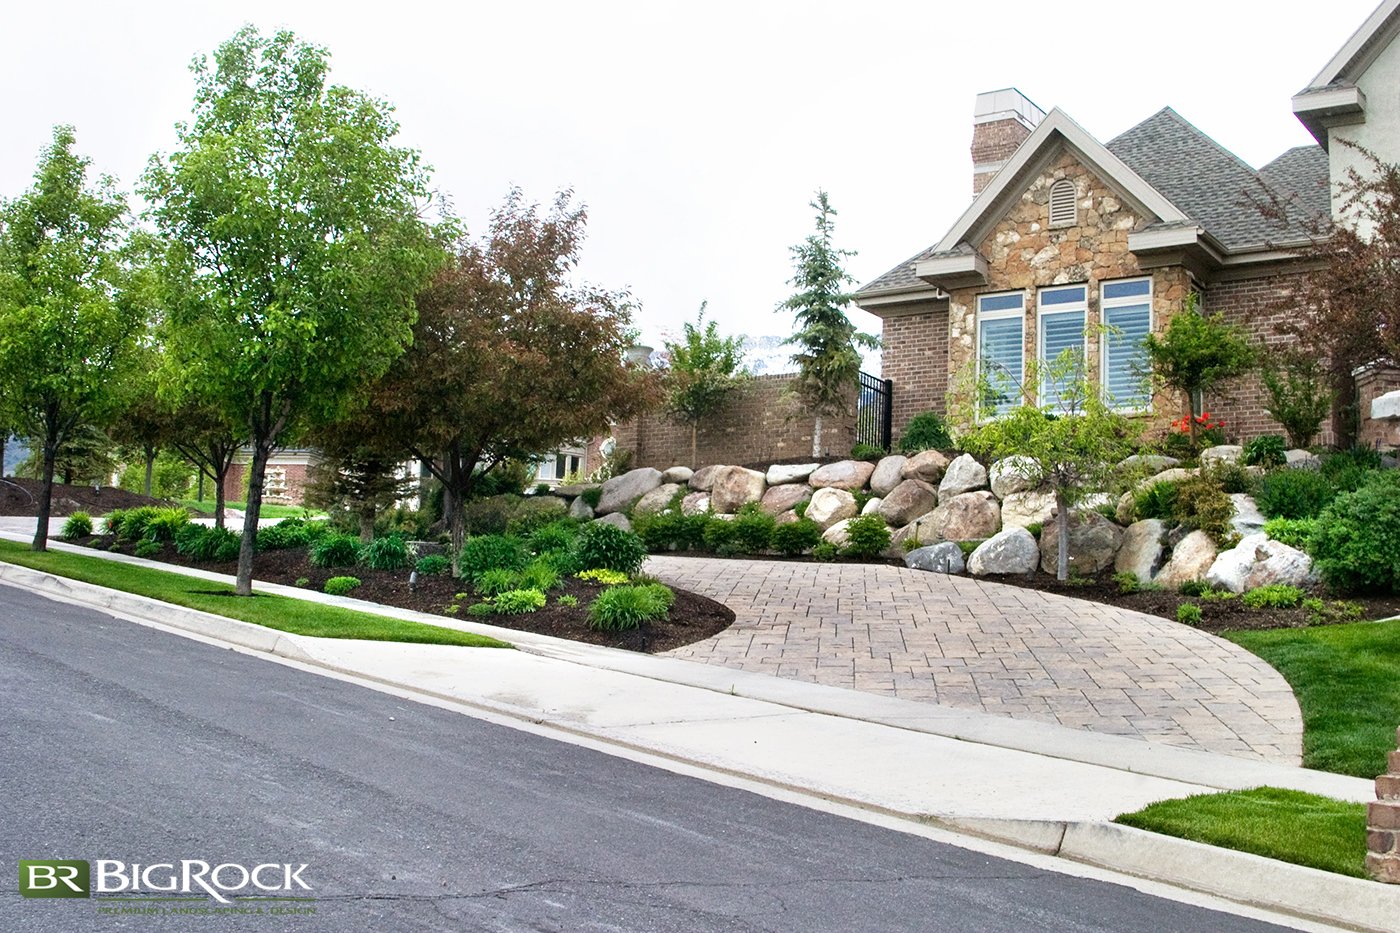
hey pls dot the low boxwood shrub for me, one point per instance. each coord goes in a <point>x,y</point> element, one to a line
<point>339,586</point>
<point>622,608</point>
<point>1293,532</point>
<point>824,550</point>
<point>605,546</point>
<point>478,609</point>
<point>147,548</point>
<point>797,537</point>
<point>720,538</point>
<point>79,525</point>
<point>1202,503</point>
<point>1266,450</point>
<point>1188,614</point>
<point>492,552</point>
<point>866,537</point>
<point>1356,544</point>
<point>519,602</point>
<point>753,529</point>
<point>433,565</point>
<point>1273,596</point>
<point>925,431</point>
<point>867,452</point>
<point>1294,493</point>
<point>335,550</point>
<point>387,553</point>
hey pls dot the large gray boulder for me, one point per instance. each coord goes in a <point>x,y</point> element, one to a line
<point>872,506</point>
<point>1247,519</point>
<point>618,519</point>
<point>780,473</point>
<point>829,506</point>
<point>944,557</point>
<point>735,487</point>
<point>1145,464</point>
<point>971,516</point>
<point>837,533</point>
<point>678,474</point>
<point>1222,453</point>
<point>622,492</point>
<point>888,474</point>
<point>1023,509</point>
<point>1010,475</point>
<point>1259,561</point>
<point>1093,543</point>
<point>1296,459</point>
<point>695,503</point>
<point>844,474</point>
<point>704,478</point>
<point>1143,549</point>
<point>1173,475</point>
<point>580,510</point>
<point>1191,558</point>
<point>1228,570</point>
<point>658,499</point>
<point>921,532</point>
<point>927,465</point>
<point>907,501</point>
<point>1011,551</point>
<point>964,474</point>
<point>782,498</point>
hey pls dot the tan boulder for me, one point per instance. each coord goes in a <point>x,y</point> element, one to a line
<point>929,466</point>
<point>829,506</point>
<point>783,498</point>
<point>907,501</point>
<point>888,474</point>
<point>971,516</point>
<point>735,487</point>
<point>844,474</point>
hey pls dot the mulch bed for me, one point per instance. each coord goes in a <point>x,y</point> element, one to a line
<point>692,618</point>
<point>20,497</point>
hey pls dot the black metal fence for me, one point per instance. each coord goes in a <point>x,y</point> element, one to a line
<point>873,411</point>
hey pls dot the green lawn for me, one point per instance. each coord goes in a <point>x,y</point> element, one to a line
<point>283,613</point>
<point>268,509</point>
<point>1287,825</point>
<point>1347,681</point>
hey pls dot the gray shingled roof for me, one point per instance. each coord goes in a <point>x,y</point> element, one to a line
<point>1208,183</point>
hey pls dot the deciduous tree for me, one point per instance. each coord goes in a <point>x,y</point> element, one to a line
<point>705,372</point>
<point>295,220</point>
<point>1197,352</point>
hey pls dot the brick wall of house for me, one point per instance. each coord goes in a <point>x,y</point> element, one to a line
<point>760,425</point>
<point>914,356</point>
<point>1371,384</point>
<point>993,142</point>
<point>284,484</point>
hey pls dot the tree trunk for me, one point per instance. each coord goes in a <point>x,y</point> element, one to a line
<point>41,531</point>
<point>1062,508</point>
<point>367,511</point>
<point>220,482</point>
<point>694,431</point>
<point>817,437</point>
<point>150,468</point>
<point>453,507</point>
<point>2,453</point>
<point>256,473</point>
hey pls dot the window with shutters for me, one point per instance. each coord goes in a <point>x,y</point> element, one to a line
<point>1127,319</point>
<point>1001,337</point>
<point>1064,207</point>
<point>1061,331</point>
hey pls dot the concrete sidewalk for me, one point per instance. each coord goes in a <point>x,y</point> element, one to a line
<point>1042,787</point>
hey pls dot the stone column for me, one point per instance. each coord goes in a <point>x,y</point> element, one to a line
<point>1383,824</point>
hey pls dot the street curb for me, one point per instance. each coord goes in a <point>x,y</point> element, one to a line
<point>1240,877</point>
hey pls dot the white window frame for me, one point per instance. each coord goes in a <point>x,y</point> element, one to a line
<point>1106,305</point>
<point>999,314</point>
<point>1082,307</point>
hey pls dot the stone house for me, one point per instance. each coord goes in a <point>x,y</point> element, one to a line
<point>1073,243</point>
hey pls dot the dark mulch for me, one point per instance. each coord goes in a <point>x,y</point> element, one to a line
<point>693,617</point>
<point>21,497</point>
<point>1216,615</point>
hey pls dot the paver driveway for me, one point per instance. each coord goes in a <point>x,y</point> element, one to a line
<point>1001,649</point>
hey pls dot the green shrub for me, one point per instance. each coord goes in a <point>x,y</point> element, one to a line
<point>1294,493</point>
<point>492,552</point>
<point>285,535</point>
<point>302,581</point>
<point>670,530</point>
<point>490,515</point>
<point>967,547</point>
<point>519,602</point>
<point>135,521</point>
<point>539,575</point>
<point>339,586</point>
<point>867,452</point>
<point>1192,587</point>
<point>1230,477</point>
<point>825,550</point>
<point>1322,613</point>
<point>205,543</point>
<point>609,547</point>
<point>1211,595</point>
<point>533,514</point>
<point>1128,582</point>
<point>79,525</point>
<point>1356,544</point>
<point>497,580</point>
<point>562,562</point>
<point>625,607</point>
<point>1273,596</point>
<point>387,553</point>
<point>433,565</point>
<point>1293,532</point>
<point>925,431</point>
<point>1157,500</point>
<point>567,600</point>
<point>147,548</point>
<point>720,537</point>
<point>1202,503</point>
<point>1188,614</point>
<point>480,609</point>
<point>797,537</point>
<point>753,529</point>
<point>603,577</point>
<point>335,551</point>
<point>112,522</point>
<point>1266,450</point>
<point>165,524</point>
<point>866,537</point>
<point>558,535</point>
<point>592,496</point>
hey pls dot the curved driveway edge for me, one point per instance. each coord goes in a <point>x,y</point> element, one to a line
<point>1007,650</point>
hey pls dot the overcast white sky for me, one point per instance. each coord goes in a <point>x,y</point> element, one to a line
<point>695,133</point>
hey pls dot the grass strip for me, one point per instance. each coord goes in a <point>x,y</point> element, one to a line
<point>1288,825</point>
<point>296,616</point>
<point>1347,681</point>
<point>268,509</point>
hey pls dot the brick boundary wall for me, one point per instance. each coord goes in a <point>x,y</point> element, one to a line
<point>915,358</point>
<point>1370,385</point>
<point>1383,824</point>
<point>758,426</point>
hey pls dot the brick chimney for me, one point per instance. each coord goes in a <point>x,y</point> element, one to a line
<point>1001,121</point>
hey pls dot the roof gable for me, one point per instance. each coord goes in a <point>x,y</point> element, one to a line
<point>1357,54</point>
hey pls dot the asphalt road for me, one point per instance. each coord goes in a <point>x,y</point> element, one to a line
<point>121,742</point>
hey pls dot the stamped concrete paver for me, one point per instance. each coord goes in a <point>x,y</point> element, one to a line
<point>964,642</point>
